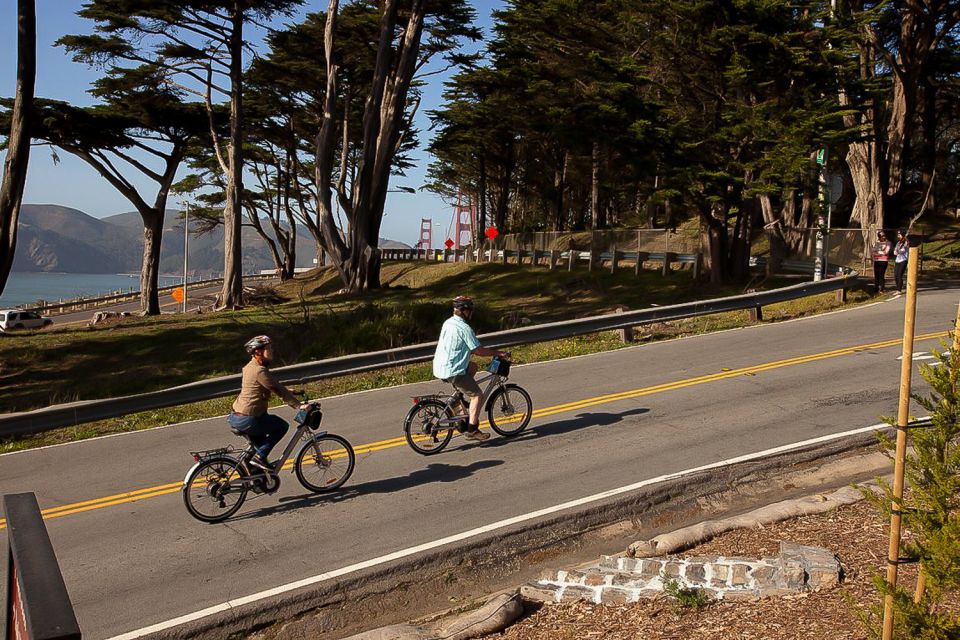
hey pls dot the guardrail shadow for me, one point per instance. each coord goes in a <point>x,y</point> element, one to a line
<point>434,472</point>
<point>580,421</point>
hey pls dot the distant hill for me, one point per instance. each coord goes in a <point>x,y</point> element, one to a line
<point>61,239</point>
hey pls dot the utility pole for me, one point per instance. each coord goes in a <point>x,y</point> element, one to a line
<point>186,250</point>
<point>820,268</point>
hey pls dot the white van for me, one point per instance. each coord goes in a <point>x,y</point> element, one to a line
<point>11,319</point>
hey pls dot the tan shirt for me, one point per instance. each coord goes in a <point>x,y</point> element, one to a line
<point>258,383</point>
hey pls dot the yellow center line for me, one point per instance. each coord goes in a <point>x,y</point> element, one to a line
<point>164,489</point>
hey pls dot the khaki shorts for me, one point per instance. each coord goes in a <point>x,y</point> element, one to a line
<point>466,385</point>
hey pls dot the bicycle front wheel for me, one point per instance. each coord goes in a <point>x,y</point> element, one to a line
<point>214,489</point>
<point>509,410</point>
<point>324,463</point>
<point>424,433</point>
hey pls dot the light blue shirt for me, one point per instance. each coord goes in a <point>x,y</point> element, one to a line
<point>457,341</point>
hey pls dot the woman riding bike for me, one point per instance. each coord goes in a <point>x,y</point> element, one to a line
<point>249,415</point>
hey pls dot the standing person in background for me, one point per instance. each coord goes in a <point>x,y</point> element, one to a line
<point>901,253</point>
<point>881,254</point>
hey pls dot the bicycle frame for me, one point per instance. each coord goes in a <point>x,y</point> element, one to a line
<point>245,455</point>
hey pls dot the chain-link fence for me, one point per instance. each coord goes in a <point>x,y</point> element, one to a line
<point>845,247</point>
<point>603,241</point>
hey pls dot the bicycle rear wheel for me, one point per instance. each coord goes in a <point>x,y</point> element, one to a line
<point>324,463</point>
<point>424,434</point>
<point>214,489</point>
<point>509,410</point>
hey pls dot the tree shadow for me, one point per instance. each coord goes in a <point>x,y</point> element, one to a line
<point>580,421</point>
<point>435,472</point>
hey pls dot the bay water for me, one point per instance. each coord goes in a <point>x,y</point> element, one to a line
<point>25,288</point>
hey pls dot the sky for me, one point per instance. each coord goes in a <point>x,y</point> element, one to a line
<point>70,182</point>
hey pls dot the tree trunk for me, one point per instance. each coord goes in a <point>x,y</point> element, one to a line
<point>560,185</point>
<point>150,267</point>
<point>231,295</point>
<point>358,261</point>
<point>773,228</point>
<point>503,198</point>
<point>596,219</point>
<point>868,208</point>
<point>18,149</point>
<point>482,195</point>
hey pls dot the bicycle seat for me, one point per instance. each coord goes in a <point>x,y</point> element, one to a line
<point>239,433</point>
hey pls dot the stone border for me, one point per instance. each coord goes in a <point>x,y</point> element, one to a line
<point>618,580</point>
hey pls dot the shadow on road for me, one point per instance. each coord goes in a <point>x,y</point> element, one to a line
<point>580,421</point>
<point>436,472</point>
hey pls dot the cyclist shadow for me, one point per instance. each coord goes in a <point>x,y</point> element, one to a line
<point>581,421</point>
<point>435,472</point>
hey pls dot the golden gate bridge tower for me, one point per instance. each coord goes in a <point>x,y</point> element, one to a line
<point>464,221</point>
<point>426,234</point>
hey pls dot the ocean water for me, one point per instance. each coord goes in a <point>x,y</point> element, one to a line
<point>25,288</point>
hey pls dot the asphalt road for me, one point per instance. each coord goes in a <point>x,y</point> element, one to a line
<point>167,305</point>
<point>132,557</point>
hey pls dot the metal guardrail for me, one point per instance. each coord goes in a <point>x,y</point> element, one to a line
<point>74,413</point>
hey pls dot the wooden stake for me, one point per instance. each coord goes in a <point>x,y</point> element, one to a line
<point>903,416</point>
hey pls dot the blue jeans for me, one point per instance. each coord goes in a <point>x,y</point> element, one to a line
<point>264,431</point>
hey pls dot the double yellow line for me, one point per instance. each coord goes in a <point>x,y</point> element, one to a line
<point>173,487</point>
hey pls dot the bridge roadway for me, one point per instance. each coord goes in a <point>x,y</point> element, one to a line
<point>132,559</point>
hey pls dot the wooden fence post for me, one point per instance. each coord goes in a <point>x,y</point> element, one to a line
<point>571,255</point>
<point>553,259</point>
<point>613,260</point>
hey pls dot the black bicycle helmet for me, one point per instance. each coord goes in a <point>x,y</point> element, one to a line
<point>463,302</point>
<point>259,342</point>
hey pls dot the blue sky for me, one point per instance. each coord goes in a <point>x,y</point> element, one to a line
<point>72,183</point>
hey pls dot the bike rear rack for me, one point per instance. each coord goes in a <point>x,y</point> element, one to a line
<point>209,453</point>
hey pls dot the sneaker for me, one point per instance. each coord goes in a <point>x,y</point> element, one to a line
<point>477,435</point>
<point>261,463</point>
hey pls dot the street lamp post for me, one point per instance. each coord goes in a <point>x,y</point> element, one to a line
<point>186,250</point>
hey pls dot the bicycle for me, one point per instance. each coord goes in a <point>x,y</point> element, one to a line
<point>431,422</point>
<point>217,485</point>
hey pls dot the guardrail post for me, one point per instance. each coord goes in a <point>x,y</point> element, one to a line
<point>613,260</point>
<point>842,294</point>
<point>667,259</point>
<point>756,314</point>
<point>553,259</point>
<point>504,255</point>
<point>571,256</point>
<point>590,259</point>
<point>38,606</point>
<point>626,333</point>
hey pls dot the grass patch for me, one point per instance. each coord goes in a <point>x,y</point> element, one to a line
<point>143,354</point>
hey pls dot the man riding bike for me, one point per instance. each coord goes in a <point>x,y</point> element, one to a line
<point>249,415</point>
<point>451,362</point>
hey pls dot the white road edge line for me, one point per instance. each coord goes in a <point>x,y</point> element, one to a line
<point>403,553</point>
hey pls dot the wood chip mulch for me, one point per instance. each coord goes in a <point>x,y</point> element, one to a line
<point>856,533</point>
